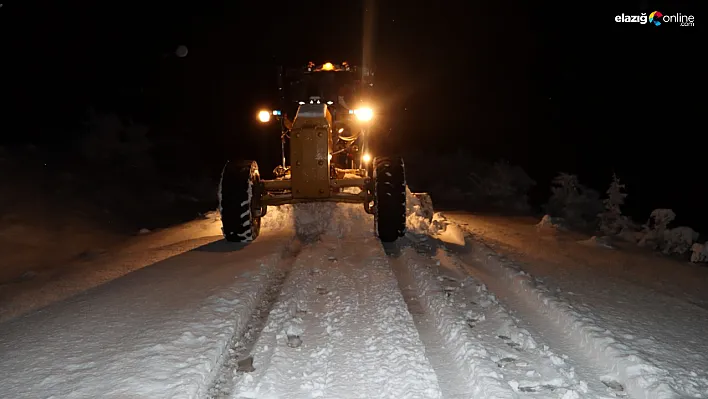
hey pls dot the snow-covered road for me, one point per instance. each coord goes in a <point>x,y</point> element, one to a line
<point>324,310</point>
<point>157,332</point>
<point>340,328</point>
<point>639,319</point>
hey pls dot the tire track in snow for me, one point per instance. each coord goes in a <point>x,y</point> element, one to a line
<point>468,328</point>
<point>286,316</point>
<point>355,335</point>
<point>241,343</point>
<point>604,372</point>
<point>460,362</point>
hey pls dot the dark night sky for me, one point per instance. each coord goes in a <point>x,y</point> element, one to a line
<point>549,87</point>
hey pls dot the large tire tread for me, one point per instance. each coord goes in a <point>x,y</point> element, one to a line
<point>237,194</point>
<point>389,198</point>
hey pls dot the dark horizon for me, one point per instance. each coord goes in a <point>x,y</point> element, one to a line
<point>549,88</point>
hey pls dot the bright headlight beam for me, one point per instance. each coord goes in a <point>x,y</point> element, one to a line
<point>364,114</point>
<point>264,116</point>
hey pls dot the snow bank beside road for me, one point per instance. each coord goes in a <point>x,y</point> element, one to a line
<point>98,266</point>
<point>160,332</point>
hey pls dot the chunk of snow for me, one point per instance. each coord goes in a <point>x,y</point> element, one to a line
<point>212,215</point>
<point>416,220</point>
<point>452,234</point>
<point>550,222</point>
<point>420,216</point>
<point>426,205</point>
<point>596,241</point>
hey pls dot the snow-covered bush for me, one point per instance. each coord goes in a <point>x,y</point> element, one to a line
<point>612,221</point>
<point>657,235</point>
<point>575,203</point>
<point>699,252</point>
<point>653,230</point>
<point>678,240</point>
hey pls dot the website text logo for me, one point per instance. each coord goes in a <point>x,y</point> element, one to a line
<point>656,18</point>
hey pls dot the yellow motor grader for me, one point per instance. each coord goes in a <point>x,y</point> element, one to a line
<point>328,142</point>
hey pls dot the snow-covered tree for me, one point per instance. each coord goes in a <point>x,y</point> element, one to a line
<point>506,186</point>
<point>563,187</point>
<point>611,220</point>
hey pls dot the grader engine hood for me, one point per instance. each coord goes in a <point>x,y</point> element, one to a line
<point>310,146</point>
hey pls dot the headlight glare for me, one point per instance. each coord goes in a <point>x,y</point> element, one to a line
<point>364,114</point>
<point>264,116</point>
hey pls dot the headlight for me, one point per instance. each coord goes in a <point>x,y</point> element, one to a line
<point>264,116</point>
<point>364,114</point>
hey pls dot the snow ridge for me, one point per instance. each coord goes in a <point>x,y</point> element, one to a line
<point>284,318</point>
<point>638,376</point>
<point>229,312</point>
<point>483,377</point>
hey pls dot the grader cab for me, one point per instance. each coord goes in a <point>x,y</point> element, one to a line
<point>328,158</point>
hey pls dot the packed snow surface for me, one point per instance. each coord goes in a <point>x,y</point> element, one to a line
<point>317,307</point>
<point>639,317</point>
<point>357,337</point>
<point>157,332</point>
